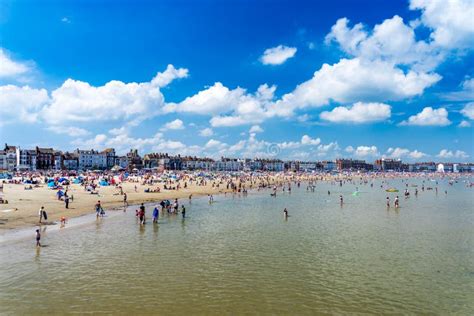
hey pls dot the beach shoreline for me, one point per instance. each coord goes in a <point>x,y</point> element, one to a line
<point>22,209</point>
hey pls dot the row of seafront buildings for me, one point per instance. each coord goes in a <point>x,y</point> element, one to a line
<point>15,158</point>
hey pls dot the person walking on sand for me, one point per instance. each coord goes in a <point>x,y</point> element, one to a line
<point>41,214</point>
<point>125,203</point>
<point>66,200</point>
<point>38,238</point>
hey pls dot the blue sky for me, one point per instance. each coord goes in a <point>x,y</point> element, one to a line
<point>315,80</point>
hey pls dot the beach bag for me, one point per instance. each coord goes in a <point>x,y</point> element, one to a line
<point>45,215</point>
<point>102,212</point>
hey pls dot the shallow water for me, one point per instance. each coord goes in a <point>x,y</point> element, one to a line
<point>240,256</point>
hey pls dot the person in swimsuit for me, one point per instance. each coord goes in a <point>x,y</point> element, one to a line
<point>38,238</point>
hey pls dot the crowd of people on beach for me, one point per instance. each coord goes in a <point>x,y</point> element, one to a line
<point>236,183</point>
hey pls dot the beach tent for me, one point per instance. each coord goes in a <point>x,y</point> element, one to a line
<point>62,179</point>
<point>51,184</point>
<point>103,183</point>
<point>77,181</point>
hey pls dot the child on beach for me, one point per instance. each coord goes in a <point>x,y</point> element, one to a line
<point>99,210</point>
<point>38,238</point>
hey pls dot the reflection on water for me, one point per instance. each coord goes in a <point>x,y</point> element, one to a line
<point>241,256</point>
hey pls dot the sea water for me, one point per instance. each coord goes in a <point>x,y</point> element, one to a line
<point>240,255</point>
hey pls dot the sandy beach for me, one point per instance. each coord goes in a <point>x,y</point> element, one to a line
<point>23,205</point>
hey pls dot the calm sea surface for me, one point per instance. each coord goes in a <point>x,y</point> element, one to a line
<point>240,256</point>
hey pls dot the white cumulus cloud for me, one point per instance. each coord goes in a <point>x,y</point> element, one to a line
<point>366,151</point>
<point>450,20</point>
<point>398,153</point>
<point>464,123</point>
<point>468,110</point>
<point>307,140</point>
<point>81,102</point>
<point>448,154</point>
<point>10,68</point>
<point>358,113</point>
<point>21,103</point>
<point>176,124</point>
<point>353,80</point>
<point>256,129</point>
<point>277,55</point>
<point>429,117</point>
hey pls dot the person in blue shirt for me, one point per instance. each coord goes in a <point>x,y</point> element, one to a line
<point>156,213</point>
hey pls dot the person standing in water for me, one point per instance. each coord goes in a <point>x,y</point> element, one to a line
<point>98,209</point>
<point>156,213</point>
<point>285,213</point>
<point>341,199</point>
<point>38,238</point>
<point>397,203</point>
<point>141,214</point>
<point>183,211</point>
<point>388,202</point>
